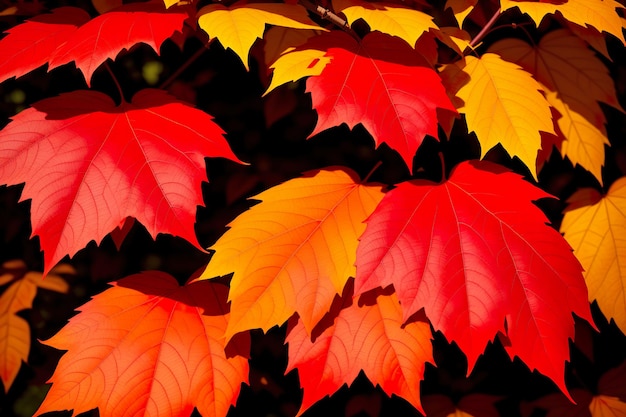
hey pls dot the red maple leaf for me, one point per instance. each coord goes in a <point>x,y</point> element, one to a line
<point>148,347</point>
<point>68,35</point>
<point>88,165</point>
<point>382,83</point>
<point>365,334</point>
<point>474,252</point>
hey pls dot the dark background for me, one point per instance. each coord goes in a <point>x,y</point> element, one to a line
<point>270,133</point>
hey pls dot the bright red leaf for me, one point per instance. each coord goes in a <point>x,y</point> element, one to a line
<point>88,165</point>
<point>382,83</point>
<point>474,252</point>
<point>365,334</point>
<point>68,35</point>
<point>148,347</point>
<point>31,44</point>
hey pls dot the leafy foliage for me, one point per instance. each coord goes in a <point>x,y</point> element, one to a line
<point>447,236</point>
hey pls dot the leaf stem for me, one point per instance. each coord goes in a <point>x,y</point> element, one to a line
<point>367,177</point>
<point>117,83</point>
<point>443,166</point>
<point>485,29</point>
<point>185,65</point>
<point>327,14</point>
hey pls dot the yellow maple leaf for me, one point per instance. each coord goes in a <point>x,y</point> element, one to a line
<point>461,8</point>
<point>390,18</point>
<point>601,14</point>
<point>237,27</point>
<point>280,40</point>
<point>574,80</point>
<point>596,228</point>
<point>606,406</point>
<point>502,104</point>
<point>584,140</point>
<point>294,65</point>
<point>295,250</point>
<point>287,62</point>
<point>15,331</point>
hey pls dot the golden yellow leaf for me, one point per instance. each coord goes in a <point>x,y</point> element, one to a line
<point>297,64</point>
<point>238,26</point>
<point>596,229</point>
<point>502,104</point>
<point>461,8</point>
<point>605,406</point>
<point>601,14</point>
<point>280,40</point>
<point>390,18</point>
<point>287,63</point>
<point>294,251</point>
<point>584,140</point>
<point>564,65</point>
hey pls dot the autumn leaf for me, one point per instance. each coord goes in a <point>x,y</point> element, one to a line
<point>294,251</point>
<point>291,63</point>
<point>502,104</point>
<point>604,406</point>
<point>88,164</point>
<point>501,262</point>
<point>574,80</point>
<point>237,27</point>
<point>67,35</point>
<point>600,14</point>
<point>390,18</point>
<point>14,330</point>
<point>608,401</point>
<point>147,346</point>
<point>31,44</point>
<point>595,226</point>
<point>381,83</point>
<point>365,334</point>
<point>280,40</point>
<point>108,34</point>
<point>461,9</point>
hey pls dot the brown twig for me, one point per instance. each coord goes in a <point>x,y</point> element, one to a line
<point>327,14</point>
<point>485,29</point>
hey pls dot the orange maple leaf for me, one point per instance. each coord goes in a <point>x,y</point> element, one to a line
<point>294,251</point>
<point>14,330</point>
<point>361,334</point>
<point>149,347</point>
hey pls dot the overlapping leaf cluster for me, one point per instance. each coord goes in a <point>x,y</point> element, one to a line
<point>359,270</point>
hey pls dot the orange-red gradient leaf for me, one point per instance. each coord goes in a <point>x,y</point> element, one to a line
<point>596,230</point>
<point>14,330</point>
<point>474,252</point>
<point>31,44</point>
<point>382,83</point>
<point>366,335</point>
<point>89,164</point>
<point>149,347</point>
<point>294,251</point>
